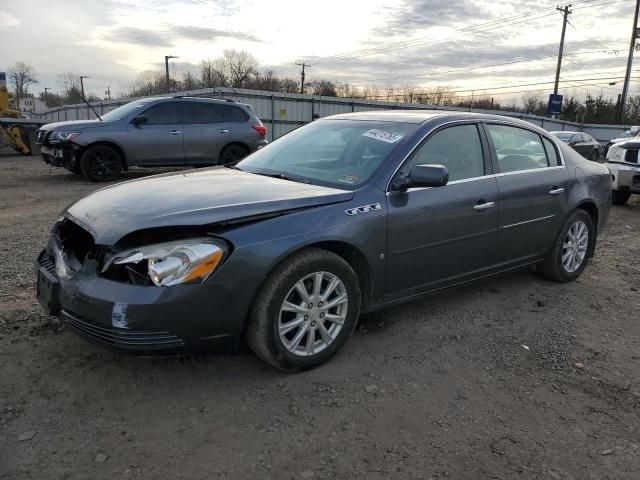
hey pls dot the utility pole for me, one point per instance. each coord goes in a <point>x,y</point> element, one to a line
<point>303,65</point>
<point>82,77</point>
<point>627,78</point>
<point>566,12</point>
<point>46,96</point>
<point>166,70</point>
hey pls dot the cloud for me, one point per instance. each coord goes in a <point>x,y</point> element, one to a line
<point>166,37</point>
<point>8,20</point>
<point>139,36</point>
<point>192,32</point>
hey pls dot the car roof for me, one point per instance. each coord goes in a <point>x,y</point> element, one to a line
<point>199,99</point>
<point>422,116</point>
<point>564,131</point>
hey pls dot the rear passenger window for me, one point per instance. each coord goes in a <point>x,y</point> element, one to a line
<point>232,114</point>
<point>457,148</point>
<point>517,148</point>
<point>552,154</point>
<point>199,113</point>
<point>162,114</point>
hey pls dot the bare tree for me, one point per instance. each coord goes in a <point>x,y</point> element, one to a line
<point>149,82</point>
<point>323,87</point>
<point>21,75</point>
<point>71,86</point>
<point>213,73</point>
<point>239,65</point>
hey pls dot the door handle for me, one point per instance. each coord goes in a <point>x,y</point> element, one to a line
<point>224,130</point>
<point>175,132</point>
<point>556,191</point>
<point>484,206</point>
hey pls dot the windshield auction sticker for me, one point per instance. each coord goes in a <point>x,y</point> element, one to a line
<point>383,136</point>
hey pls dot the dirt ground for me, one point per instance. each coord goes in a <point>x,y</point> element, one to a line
<point>511,378</point>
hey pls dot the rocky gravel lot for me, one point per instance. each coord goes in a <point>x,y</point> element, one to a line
<point>512,378</point>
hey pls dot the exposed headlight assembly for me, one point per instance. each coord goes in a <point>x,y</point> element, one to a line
<point>63,136</point>
<point>615,153</point>
<point>175,263</point>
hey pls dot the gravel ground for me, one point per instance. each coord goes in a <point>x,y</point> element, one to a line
<point>515,377</point>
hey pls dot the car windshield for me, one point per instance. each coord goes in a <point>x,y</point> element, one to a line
<point>337,153</point>
<point>123,111</point>
<point>565,137</point>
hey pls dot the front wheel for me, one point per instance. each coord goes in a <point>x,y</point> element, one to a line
<point>101,163</point>
<point>572,249</point>
<point>619,197</point>
<point>305,312</point>
<point>595,156</point>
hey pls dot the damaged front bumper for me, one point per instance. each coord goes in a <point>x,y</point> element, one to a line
<point>625,177</point>
<point>144,319</point>
<point>63,154</point>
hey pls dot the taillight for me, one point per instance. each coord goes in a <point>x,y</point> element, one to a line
<point>260,129</point>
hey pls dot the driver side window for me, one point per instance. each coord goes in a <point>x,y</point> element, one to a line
<point>458,148</point>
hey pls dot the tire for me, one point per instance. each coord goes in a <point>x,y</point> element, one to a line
<point>595,156</point>
<point>231,154</point>
<point>558,266</point>
<point>618,197</point>
<point>267,316</point>
<point>101,163</point>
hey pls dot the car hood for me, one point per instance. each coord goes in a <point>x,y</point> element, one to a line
<point>193,198</point>
<point>73,125</point>
<point>620,140</point>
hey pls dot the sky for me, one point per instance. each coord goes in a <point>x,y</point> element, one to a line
<point>469,46</point>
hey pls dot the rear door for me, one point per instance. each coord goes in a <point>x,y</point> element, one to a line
<point>445,235</point>
<point>205,133</point>
<point>159,140</point>
<point>532,184</point>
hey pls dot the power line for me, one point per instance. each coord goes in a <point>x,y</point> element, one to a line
<point>465,69</point>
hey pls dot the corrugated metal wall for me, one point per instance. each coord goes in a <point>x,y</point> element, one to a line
<point>283,112</point>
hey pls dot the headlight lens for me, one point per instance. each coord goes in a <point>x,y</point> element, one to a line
<point>615,153</point>
<point>175,263</point>
<point>63,136</point>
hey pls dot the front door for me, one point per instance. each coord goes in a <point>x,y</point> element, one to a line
<point>533,186</point>
<point>445,235</point>
<point>159,141</point>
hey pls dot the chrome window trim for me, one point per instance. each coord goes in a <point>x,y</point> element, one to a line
<point>544,133</point>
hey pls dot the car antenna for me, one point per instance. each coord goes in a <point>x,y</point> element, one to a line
<point>90,106</point>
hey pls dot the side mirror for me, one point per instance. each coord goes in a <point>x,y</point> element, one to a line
<point>424,176</point>
<point>140,119</point>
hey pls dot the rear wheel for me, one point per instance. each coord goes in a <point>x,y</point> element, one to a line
<point>572,249</point>
<point>231,154</point>
<point>101,163</point>
<point>305,312</point>
<point>619,197</point>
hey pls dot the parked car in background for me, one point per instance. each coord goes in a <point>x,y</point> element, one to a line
<point>167,131</point>
<point>582,143</point>
<point>345,215</point>
<point>622,161</point>
<point>624,136</point>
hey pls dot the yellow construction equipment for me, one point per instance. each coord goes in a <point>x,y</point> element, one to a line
<point>18,132</point>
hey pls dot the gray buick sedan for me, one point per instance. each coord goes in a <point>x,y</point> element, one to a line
<point>346,215</point>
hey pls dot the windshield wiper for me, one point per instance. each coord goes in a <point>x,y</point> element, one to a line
<point>284,176</point>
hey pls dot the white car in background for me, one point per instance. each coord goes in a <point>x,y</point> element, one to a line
<point>622,161</point>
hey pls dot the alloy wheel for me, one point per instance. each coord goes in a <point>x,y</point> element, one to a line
<point>313,313</point>
<point>574,248</point>
<point>102,163</point>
